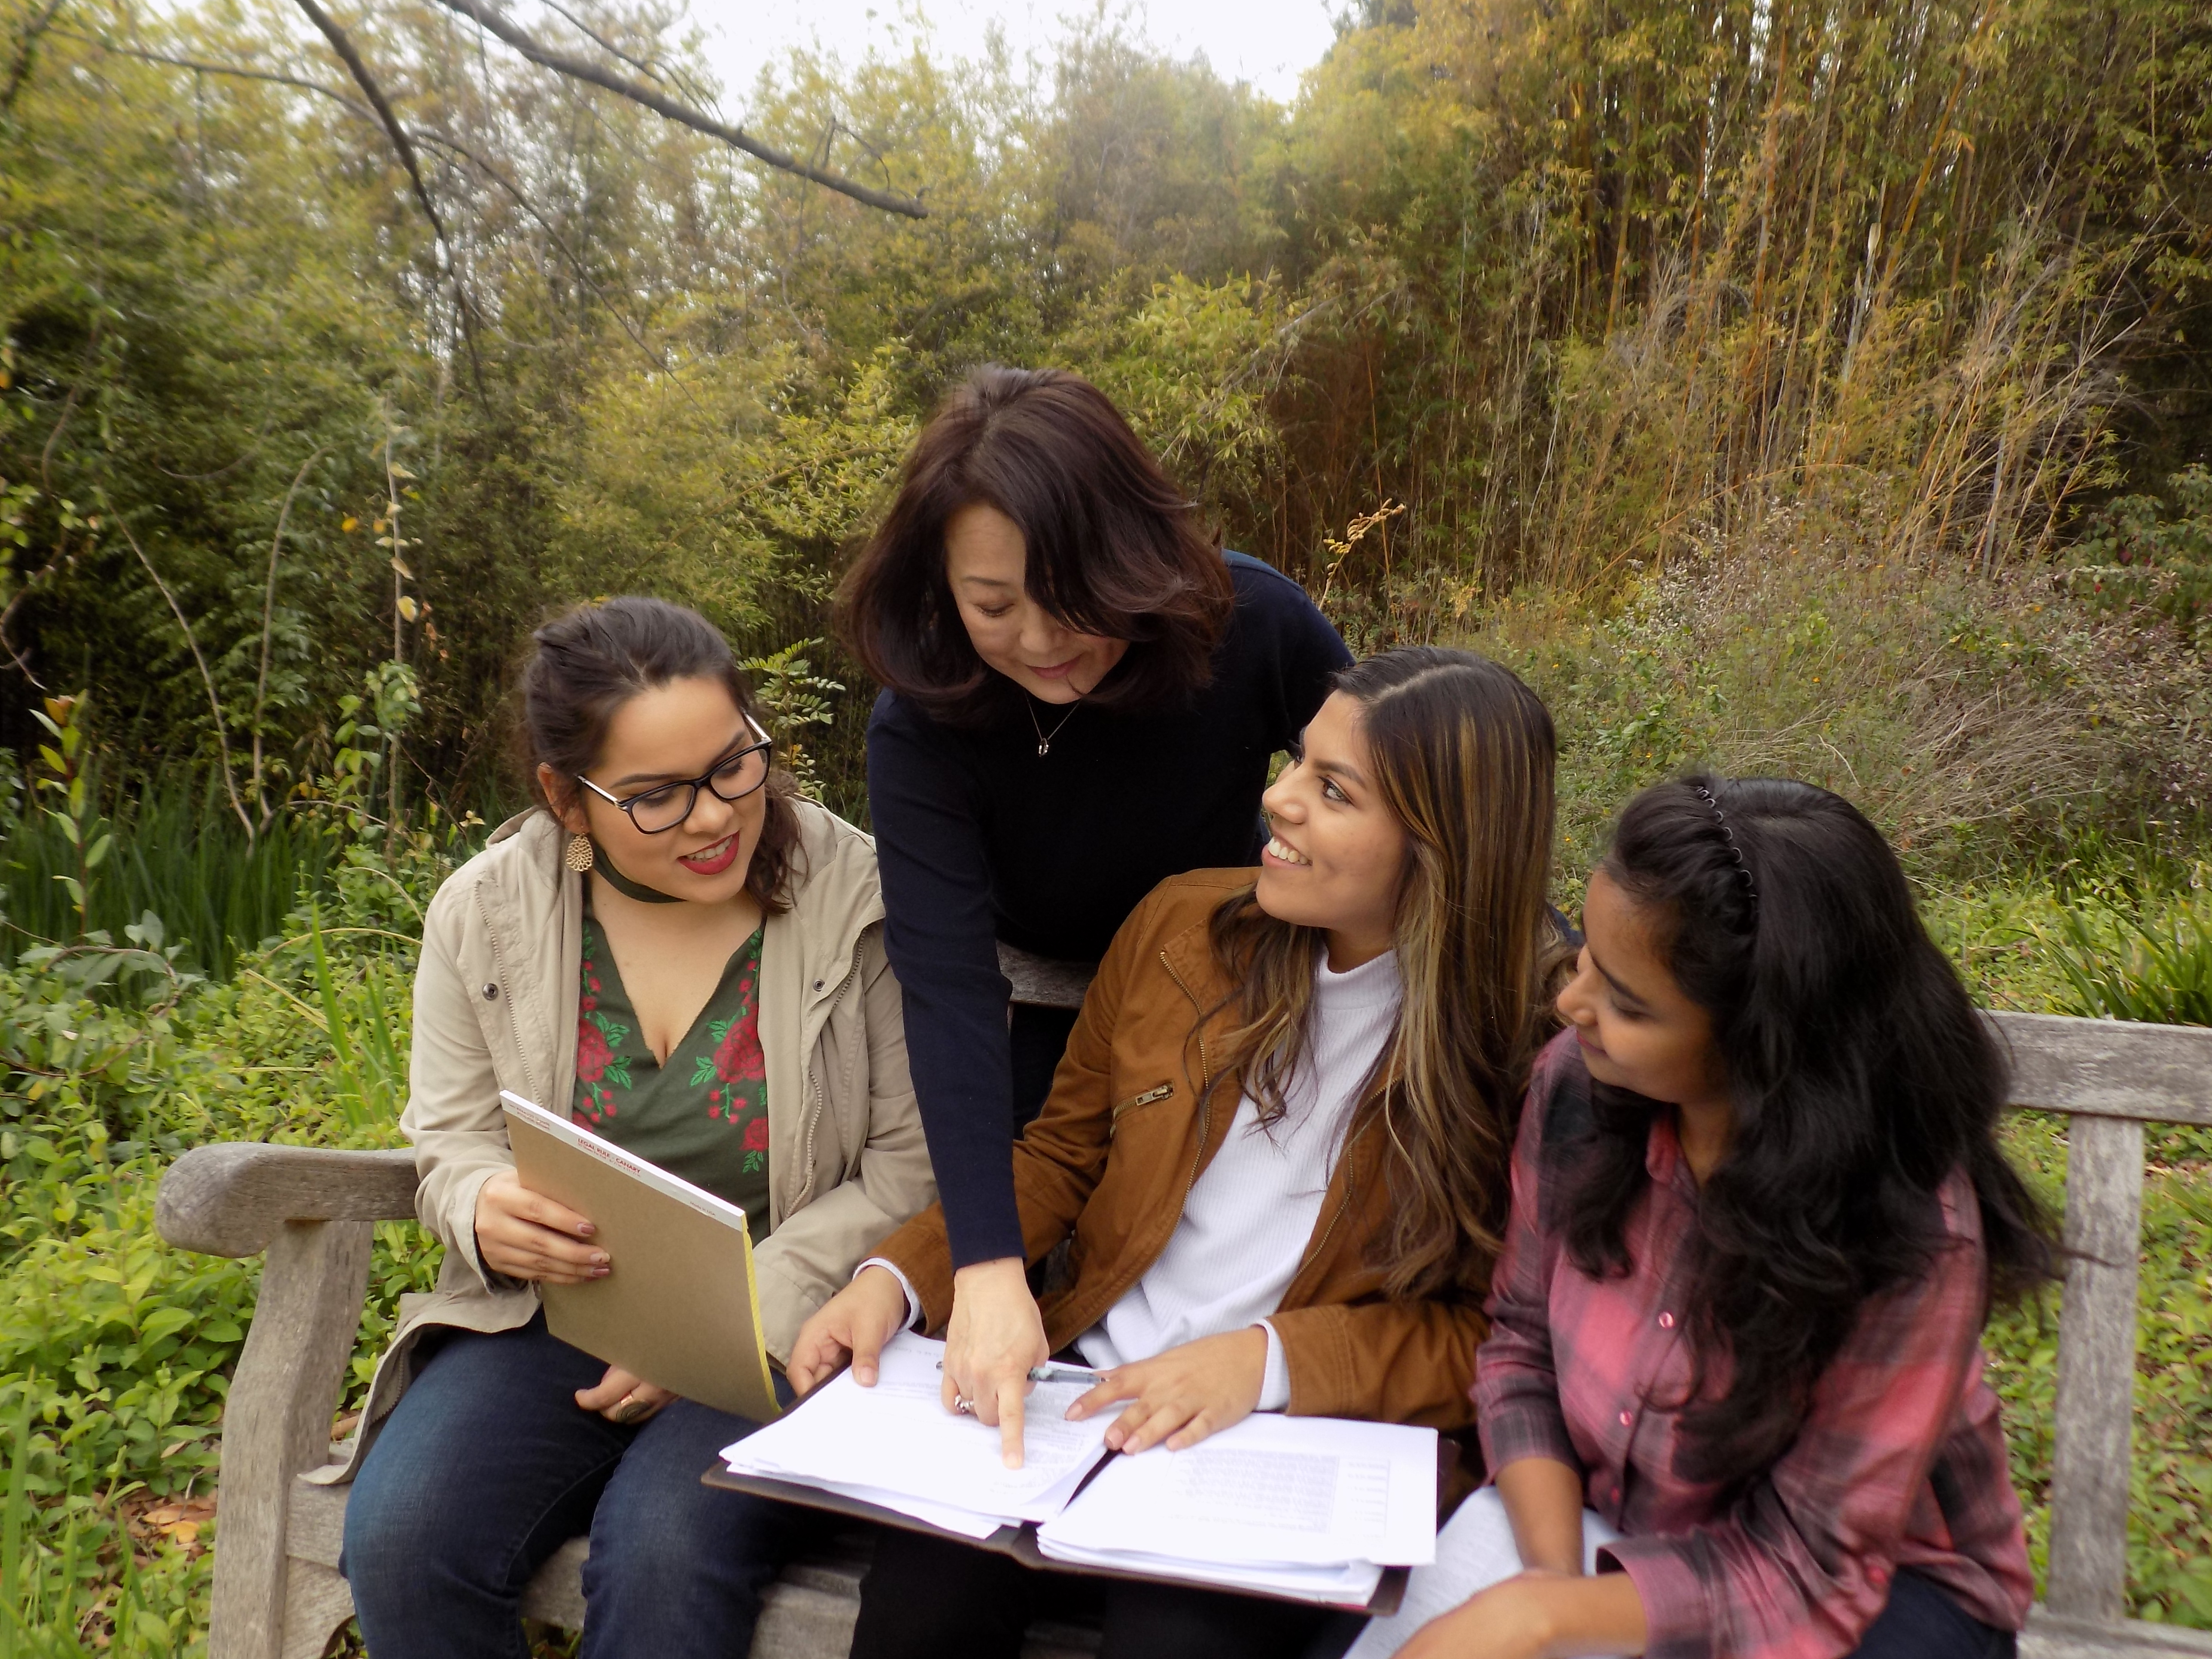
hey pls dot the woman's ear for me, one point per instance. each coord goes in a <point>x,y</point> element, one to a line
<point>564,798</point>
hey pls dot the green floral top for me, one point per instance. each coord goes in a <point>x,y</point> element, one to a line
<point>704,1114</point>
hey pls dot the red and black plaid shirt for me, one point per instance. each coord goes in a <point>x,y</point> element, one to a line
<point>1900,1462</point>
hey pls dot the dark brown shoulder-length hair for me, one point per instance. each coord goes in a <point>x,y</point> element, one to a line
<point>585,665</point>
<point>1113,548</point>
<point>1462,754</point>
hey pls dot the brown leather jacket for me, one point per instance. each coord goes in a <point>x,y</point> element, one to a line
<point>1123,1138</point>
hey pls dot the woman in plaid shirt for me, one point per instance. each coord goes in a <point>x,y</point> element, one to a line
<point>1732,1396</point>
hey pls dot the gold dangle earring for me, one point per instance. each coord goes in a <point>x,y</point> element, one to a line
<point>577,855</point>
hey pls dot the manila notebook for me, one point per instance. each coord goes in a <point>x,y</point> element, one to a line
<point>681,1308</point>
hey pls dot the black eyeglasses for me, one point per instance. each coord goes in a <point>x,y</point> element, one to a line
<point>656,811</point>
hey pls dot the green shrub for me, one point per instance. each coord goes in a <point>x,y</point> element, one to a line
<point>2133,553</point>
<point>2156,968</point>
<point>116,1351</point>
<point>71,1584</point>
<point>121,1348</point>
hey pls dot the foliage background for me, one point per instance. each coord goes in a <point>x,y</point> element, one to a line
<point>1811,385</point>
<point>1585,287</point>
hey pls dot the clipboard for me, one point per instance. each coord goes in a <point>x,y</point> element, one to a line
<point>681,1308</point>
<point>1021,1542</point>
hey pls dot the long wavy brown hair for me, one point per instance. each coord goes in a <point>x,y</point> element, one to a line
<point>1462,754</point>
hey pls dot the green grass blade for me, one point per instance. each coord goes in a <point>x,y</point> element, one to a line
<point>353,1100</point>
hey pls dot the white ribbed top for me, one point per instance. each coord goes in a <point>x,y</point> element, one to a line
<point>1249,1216</point>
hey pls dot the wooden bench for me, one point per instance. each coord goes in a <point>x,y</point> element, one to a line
<point>278,1595</point>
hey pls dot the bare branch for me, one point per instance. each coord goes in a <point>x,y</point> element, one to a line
<point>252,449</point>
<point>70,403</point>
<point>268,615</point>
<point>651,72</point>
<point>27,53</point>
<point>661,72</point>
<point>237,69</point>
<point>344,47</point>
<point>15,603</point>
<point>577,69</point>
<point>214,702</point>
<point>561,247</point>
<point>46,477</point>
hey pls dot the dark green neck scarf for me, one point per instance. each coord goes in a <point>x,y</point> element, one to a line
<point>623,884</point>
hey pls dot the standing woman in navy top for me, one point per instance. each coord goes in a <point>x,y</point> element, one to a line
<point>1081,696</point>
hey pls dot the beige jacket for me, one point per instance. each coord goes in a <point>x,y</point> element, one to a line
<point>495,1007</point>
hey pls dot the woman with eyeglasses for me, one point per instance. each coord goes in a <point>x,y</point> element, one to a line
<point>687,957</point>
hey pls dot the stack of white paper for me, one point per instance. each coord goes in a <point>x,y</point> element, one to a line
<point>1313,1507</point>
<point>895,1445</point>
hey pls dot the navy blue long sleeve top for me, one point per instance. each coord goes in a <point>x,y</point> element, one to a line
<point>981,839</point>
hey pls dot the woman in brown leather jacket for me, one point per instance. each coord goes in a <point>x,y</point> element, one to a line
<point>1278,1141</point>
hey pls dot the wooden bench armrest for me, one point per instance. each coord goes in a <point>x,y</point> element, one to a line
<point>232,1198</point>
<point>313,1212</point>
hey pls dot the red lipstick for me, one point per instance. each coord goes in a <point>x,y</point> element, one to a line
<point>719,863</point>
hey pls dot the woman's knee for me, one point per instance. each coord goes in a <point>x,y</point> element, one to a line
<point>482,1455</point>
<point>696,1546</point>
<point>397,1513</point>
<point>668,1550</point>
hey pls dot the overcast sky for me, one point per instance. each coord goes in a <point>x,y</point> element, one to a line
<point>1266,42</point>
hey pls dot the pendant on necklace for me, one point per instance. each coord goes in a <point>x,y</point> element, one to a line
<point>1044,738</point>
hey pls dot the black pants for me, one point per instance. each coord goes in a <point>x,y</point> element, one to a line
<point>927,1597</point>
<point>1039,1038</point>
<point>1921,1621</point>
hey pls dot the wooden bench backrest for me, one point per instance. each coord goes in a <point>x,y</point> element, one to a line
<point>312,1210</point>
<point>2110,1078</point>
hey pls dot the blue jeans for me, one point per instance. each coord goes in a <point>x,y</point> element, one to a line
<point>488,1464</point>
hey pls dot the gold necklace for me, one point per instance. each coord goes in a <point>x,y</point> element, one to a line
<point>1044,740</point>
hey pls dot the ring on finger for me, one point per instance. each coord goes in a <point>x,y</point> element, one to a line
<point>961,1404</point>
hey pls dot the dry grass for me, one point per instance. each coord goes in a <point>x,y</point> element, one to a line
<point>1984,723</point>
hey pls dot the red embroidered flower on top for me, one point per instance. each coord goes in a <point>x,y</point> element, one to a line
<point>756,1135</point>
<point>592,1054</point>
<point>737,1057</point>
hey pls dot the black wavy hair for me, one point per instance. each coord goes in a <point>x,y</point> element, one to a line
<point>1861,1076</point>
